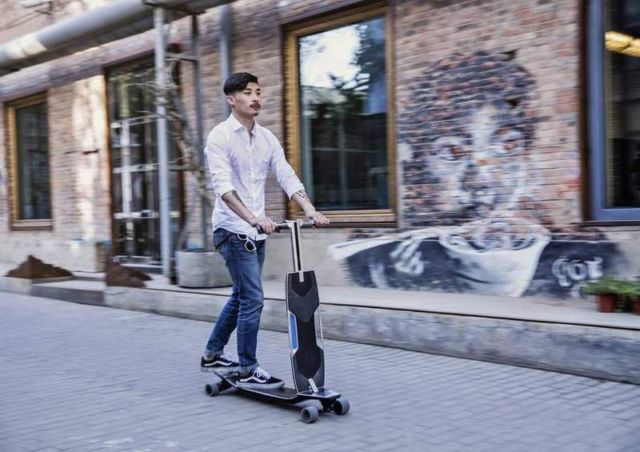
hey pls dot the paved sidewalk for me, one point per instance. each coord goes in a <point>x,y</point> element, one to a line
<point>83,378</point>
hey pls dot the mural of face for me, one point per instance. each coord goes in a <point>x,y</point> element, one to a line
<point>482,168</point>
<point>470,128</point>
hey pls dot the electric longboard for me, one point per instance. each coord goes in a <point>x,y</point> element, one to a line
<point>307,354</point>
<point>329,400</point>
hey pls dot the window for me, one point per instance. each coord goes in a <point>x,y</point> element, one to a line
<point>339,132</point>
<point>134,166</point>
<point>614,113</point>
<point>28,159</point>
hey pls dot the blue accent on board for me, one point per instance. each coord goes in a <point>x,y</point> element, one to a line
<point>293,332</point>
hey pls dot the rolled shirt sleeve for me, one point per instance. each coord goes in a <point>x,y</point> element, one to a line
<point>285,175</point>
<point>219,165</point>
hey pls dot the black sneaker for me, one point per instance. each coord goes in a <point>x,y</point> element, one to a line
<point>218,362</point>
<point>259,378</point>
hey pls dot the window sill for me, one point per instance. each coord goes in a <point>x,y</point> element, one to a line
<point>32,225</point>
<point>357,219</point>
<point>593,223</point>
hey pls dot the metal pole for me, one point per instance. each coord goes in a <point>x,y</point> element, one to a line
<point>163,143</point>
<point>225,49</point>
<point>296,246</point>
<point>197,85</point>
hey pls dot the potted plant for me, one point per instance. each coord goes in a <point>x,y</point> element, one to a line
<point>634,296</point>
<point>607,291</point>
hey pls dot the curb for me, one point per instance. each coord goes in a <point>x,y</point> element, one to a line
<point>597,352</point>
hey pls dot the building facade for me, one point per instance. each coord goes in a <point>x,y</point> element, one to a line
<point>474,146</point>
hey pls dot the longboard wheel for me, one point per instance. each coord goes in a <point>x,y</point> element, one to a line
<point>341,406</point>
<point>310,414</point>
<point>212,389</point>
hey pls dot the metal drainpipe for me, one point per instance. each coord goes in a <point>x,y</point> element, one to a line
<point>197,79</point>
<point>163,143</point>
<point>225,50</point>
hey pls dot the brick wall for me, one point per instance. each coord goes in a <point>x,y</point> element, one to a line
<point>79,159</point>
<point>78,152</point>
<point>256,48</point>
<point>487,117</point>
<point>542,40</point>
<point>531,55</point>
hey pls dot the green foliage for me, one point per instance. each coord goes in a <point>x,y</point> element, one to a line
<point>614,286</point>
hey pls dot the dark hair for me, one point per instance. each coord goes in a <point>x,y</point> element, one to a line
<point>456,86</point>
<point>238,82</point>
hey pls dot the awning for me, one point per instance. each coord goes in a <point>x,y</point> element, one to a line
<point>117,20</point>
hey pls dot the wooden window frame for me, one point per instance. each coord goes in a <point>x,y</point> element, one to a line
<point>12,158</point>
<point>372,217</point>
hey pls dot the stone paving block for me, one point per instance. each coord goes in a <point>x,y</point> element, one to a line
<point>101,392</point>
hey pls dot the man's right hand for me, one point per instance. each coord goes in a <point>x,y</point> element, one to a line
<point>267,224</point>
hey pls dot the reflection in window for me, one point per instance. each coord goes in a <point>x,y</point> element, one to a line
<point>622,94</point>
<point>343,109</point>
<point>32,133</point>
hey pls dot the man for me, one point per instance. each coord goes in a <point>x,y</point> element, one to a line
<point>240,154</point>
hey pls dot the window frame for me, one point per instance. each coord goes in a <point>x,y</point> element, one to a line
<point>374,217</point>
<point>596,121</point>
<point>15,222</point>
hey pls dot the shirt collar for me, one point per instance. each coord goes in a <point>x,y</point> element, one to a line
<point>237,125</point>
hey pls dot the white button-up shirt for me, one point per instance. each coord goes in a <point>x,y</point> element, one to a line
<point>238,162</point>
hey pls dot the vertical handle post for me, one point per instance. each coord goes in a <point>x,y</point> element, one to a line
<point>296,246</point>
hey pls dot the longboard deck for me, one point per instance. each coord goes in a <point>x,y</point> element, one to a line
<point>283,393</point>
<point>307,358</point>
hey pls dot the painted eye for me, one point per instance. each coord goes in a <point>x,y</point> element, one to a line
<point>506,142</point>
<point>449,148</point>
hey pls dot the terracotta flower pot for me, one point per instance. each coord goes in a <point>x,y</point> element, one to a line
<point>606,302</point>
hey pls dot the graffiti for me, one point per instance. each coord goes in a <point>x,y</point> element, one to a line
<point>570,273</point>
<point>470,129</point>
<point>468,133</point>
<point>566,266</point>
<point>422,263</point>
<point>567,271</point>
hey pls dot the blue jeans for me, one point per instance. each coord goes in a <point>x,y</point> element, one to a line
<point>244,307</point>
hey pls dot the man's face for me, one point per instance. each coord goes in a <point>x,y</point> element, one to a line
<point>481,166</point>
<point>246,103</point>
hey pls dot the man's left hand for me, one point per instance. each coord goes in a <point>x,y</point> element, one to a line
<point>318,218</point>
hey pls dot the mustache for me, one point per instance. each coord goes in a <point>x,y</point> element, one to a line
<point>256,104</point>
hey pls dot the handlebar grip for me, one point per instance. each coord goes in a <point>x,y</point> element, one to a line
<point>261,231</point>
<point>284,225</point>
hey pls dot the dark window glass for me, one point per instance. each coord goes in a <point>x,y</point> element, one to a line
<point>32,133</point>
<point>343,121</point>
<point>622,97</point>
<point>135,193</point>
